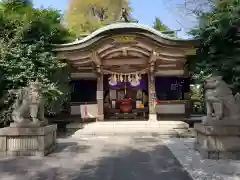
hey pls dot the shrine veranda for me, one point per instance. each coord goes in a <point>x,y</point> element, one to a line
<point>128,70</point>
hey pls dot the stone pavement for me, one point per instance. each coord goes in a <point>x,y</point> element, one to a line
<point>99,158</point>
<point>199,168</point>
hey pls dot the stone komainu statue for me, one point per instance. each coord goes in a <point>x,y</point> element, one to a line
<point>220,102</point>
<point>29,105</point>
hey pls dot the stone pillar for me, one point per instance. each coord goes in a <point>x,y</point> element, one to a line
<point>152,96</point>
<point>100,97</point>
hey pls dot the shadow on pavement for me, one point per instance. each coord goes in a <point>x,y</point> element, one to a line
<point>139,160</point>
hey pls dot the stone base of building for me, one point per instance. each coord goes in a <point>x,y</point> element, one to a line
<point>218,142</point>
<point>27,141</point>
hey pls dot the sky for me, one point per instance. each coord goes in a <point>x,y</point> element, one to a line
<point>171,12</point>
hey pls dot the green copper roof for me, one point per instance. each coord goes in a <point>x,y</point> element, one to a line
<point>124,25</point>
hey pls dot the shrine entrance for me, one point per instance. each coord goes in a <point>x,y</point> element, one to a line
<point>126,96</point>
<point>132,70</point>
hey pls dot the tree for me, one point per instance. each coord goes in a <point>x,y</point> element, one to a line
<point>158,25</point>
<point>26,35</point>
<point>220,41</point>
<point>86,16</point>
<point>20,2</point>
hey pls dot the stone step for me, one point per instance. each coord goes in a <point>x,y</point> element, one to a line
<point>130,125</point>
<point>163,134</point>
<point>171,133</point>
<point>140,124</point>
<point>132,128</point>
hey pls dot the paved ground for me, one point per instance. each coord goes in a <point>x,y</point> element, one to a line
<point>199,168</point>
<point>106,158</point>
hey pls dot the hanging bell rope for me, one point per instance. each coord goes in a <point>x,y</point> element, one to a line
<point>133,77</point>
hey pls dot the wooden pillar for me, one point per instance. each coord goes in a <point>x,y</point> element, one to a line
<point>152,90</point>
<point>187,98</point>
<point>100,97</point>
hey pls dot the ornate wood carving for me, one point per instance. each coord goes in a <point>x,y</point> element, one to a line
<point>81,62</point>
<point>152,61</point>
<point>124,39</point>
<point>137,50</point>
<point>97,62</point>
<point>125,51</point>
<point>122,61</point>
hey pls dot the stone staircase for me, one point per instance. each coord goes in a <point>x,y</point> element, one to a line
<point>132,128</point>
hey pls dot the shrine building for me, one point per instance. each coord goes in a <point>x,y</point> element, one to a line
<point>128,70</point>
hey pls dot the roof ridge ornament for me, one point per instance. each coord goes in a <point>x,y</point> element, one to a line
<point>125,16</point>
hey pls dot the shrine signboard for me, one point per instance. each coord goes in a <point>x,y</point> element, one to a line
<point>124,39</point>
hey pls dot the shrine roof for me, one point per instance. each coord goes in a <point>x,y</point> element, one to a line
<point>109,29</point>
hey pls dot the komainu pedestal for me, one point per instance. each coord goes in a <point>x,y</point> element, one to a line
<point>218,142</point>
<point>27,141</point>
<point>218,137</point>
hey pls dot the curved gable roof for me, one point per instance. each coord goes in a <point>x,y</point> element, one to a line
<point>123,25</point>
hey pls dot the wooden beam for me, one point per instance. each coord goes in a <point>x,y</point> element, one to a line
<point>142,46</point>
<point>169,55</point>
<point>132,61</point>
<point>136,54</point>
<point>190,52</point>
<point>128,55</point>
<point>84,68</point>
<point>169,68</point>
<point>173,59</point>
<point>170,61</point>
<point>79,58</point>
<point>80,62</point>
<point>83,75</point>
<point>166,65</point>
<point>120,50</point>
<point>105,47</point>
<point>96,59</point>
<point>175,72</point>
<point>153,57</point>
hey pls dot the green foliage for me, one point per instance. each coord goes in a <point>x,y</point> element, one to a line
<point>197,98</point>
<point>158,25</point>
<point>26,35</point>
<point>16,3</point>
<point>86,16</point>
<point>220,42</point>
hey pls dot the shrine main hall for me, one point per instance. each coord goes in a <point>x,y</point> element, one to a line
<point>127,70</point>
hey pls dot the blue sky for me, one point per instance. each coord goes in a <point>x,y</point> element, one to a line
<point>171,12</point>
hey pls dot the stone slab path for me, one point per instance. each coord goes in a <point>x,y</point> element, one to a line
<point>99,158</point>
<point>199,168</point>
